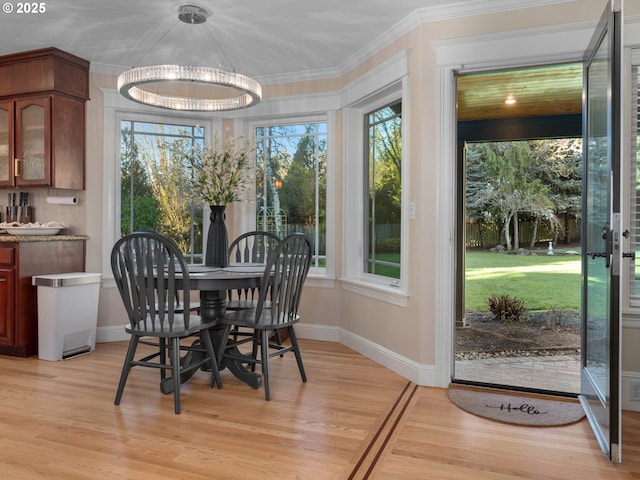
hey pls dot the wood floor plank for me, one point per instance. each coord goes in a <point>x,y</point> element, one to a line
<point>439,440</point>
<point>352,419</point>
<point>63,413</point>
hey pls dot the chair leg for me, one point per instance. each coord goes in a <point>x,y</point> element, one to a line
<point>296,351</point>
<point>175,372</point>
<point>163,357</point>
<point>254,349</point>
<point>264,350</point>
<point>126,368</point>
<point>215,372</point>
<point>224,338</point>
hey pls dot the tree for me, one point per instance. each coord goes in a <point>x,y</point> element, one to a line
<point>560,168</point>
<point>167,169</point>
<point>480,210</point>
<point>134,178</point>
<point>512,187</point>
<point>298,190</point>
<point>388,170</point>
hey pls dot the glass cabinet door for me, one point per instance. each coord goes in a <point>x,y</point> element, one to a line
<point>32,149</point>
<point>6,142</point>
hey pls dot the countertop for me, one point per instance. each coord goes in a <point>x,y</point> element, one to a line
<point>40,238</point>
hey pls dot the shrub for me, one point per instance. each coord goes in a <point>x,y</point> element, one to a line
<point>506,308</point>
<point>556,318</point>
<point>391,245</point>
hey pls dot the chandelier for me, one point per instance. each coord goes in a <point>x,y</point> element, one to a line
<point>156,84</point>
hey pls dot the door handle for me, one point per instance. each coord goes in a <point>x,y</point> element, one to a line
<point>607,237</point>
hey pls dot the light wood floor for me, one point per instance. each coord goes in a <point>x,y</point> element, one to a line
<point>352,420</point>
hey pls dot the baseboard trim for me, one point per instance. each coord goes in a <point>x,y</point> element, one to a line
<point>114,333</point>
<point>420,374</point>
<point>423,375</point>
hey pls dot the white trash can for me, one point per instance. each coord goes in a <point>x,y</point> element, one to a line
<point>67,314</point>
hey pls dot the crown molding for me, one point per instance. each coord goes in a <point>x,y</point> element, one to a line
<point>465,8</point>
<point>300,76</point>
<point>470,8</point>
<point>452,10</point>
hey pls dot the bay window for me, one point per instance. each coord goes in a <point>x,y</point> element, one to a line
<point>291,182</point>
<point>383,163</point>
<point>153,176</point>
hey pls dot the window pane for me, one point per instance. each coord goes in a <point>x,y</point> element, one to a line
<point>153,175</point>
<point>383,176</point>
<point>291,182</point>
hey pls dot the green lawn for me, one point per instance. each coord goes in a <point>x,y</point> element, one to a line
<point>542,282</point>
<point>388,270</point>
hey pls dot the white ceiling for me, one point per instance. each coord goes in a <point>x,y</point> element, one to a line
<point>261,38</point>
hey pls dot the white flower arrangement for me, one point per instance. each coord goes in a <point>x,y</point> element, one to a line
<point>222,172</point>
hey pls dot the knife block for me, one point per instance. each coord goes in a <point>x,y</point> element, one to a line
<point>21,214</point>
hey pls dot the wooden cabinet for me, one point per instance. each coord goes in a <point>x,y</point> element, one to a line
<point>7,285</point>
<point>19,262</point>
<point>32,148</point>
<point>7,122</point>
<point>42,119</point>
<point>25,142</point>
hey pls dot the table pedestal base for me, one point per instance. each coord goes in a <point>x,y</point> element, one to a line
<point>212,305</point>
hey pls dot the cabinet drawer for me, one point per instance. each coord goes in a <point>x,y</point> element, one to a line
<point>7,256</point>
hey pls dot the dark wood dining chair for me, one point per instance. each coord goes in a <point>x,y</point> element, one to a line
<point>145,267</point>
<point>250,247</point>
<point>281,285</point>
<point>194,306</point>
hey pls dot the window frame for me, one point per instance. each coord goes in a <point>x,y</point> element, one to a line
<point>367,165</point>
<point>353,250</point>
<point>328,118</point>
<point>630,278</point>
<point>135,133</point>
<point>115,109</point>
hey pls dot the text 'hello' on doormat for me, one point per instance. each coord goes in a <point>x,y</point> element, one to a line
<point>517,409</point>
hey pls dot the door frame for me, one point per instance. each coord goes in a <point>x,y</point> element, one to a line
<point>477,131</point>
<point>484,52</point>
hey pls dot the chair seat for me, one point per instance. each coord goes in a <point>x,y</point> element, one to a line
<point>179,308</point>
<point>247,318</point>
<point>155,329</point>
<point>244,305</point>
<point>241,304</point>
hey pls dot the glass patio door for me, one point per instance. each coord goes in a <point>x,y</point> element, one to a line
<point>601,257</point>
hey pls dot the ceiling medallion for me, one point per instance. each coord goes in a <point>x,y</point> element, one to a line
<point>247,91</point>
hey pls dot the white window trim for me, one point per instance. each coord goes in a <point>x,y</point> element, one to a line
<point>383,85</point>
<point>329,119</point>
<point>628,304</point>
<point>299,110</point>
<point>115,109</point>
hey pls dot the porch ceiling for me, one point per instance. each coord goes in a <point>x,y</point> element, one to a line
<point>537,91</point>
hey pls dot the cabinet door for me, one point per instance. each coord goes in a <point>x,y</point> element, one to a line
<point>7,295</point>
<point>33,142</point>
<point>6,144</point>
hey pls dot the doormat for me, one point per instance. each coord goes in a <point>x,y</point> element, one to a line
<point>517,409</point>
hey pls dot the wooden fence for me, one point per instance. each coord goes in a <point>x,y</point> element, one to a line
<point>488,235</point>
